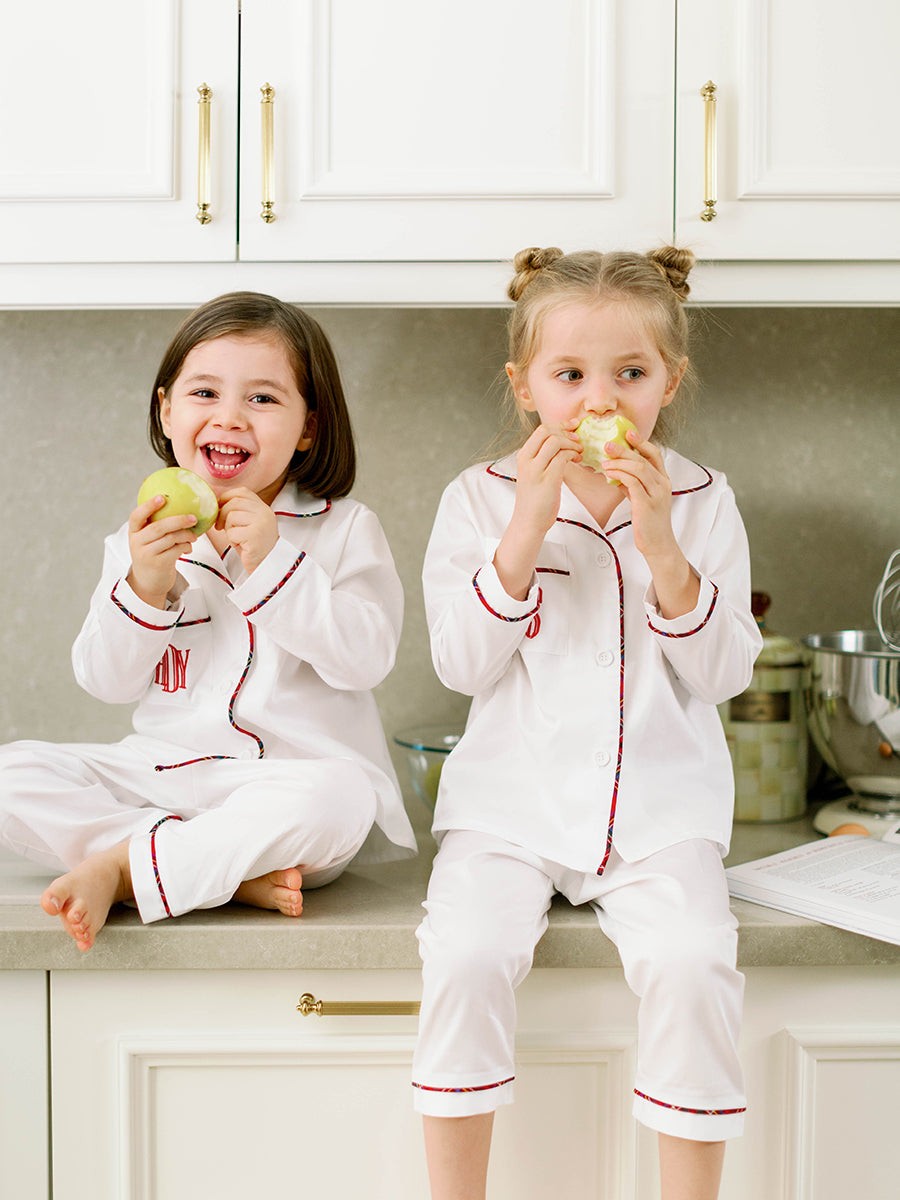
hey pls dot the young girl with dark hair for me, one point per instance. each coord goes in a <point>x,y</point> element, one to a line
<point>258,765</point>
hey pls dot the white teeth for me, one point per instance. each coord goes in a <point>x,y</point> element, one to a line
<point>225,449</point>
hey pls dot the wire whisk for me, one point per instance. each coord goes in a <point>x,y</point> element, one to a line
<point>886,603</point>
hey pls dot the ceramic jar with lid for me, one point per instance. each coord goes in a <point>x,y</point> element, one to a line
<point>765,728</point>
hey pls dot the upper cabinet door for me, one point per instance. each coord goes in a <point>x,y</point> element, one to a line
<point>101,131</point>
<point>807,103</point>
<point>454,130</point>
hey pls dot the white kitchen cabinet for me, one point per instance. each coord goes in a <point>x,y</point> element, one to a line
<point>413,148</point>
<point>448,131</point>
<point>456,130</point>
<point>24,1066</point>
<point>806,107</point>
<point>210,1083</point>
<point>101,131</point>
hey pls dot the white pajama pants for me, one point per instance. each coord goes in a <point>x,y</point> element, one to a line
<point>669,917</point>
<point>195,833</point>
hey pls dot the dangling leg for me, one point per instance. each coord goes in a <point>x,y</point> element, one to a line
<point>670,918</point>
<point>486,911</point>
<point>457,1150</point>
<point>689,1170</point>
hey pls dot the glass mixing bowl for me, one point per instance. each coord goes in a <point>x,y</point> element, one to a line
<point>427,747</point>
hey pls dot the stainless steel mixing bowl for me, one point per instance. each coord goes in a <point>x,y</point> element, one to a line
<point>853,708</point>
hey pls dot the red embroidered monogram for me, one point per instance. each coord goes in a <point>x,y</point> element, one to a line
<point>171,670</point>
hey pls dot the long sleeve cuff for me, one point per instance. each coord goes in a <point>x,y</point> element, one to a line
<point>273,573</point>
<point>688,623</point>
<point>129,603</point>
<point>498,602</point>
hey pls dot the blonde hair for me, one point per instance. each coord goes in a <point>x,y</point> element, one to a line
<point>655,284</point>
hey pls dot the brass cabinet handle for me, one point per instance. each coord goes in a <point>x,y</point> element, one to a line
<point>204,216</point>
<point>308,1005</point>
<point>708,92</point>
<point>267,109</point>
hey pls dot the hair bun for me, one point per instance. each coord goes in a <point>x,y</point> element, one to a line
<point>528,263</point>
<point>675,263</point>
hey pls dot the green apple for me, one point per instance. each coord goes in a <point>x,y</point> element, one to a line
<point>594,432</point>
<point>185,493</point>
<point>431,781</point>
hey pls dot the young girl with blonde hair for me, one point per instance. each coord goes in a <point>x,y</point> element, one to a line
<point>596,617</point>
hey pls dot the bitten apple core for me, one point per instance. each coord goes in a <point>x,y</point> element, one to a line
<point>185,493</point>
<point>594,432</point>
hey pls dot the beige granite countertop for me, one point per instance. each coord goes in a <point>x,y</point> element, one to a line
<point>367,919</point>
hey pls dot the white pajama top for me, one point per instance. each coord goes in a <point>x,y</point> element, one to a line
<point>277,664</point>
<point>593,721</point>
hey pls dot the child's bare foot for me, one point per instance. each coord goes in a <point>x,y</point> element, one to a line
<point>83,896</point>
<point>279,890</point>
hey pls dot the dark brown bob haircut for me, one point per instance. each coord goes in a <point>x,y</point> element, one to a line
<point>328,467</point>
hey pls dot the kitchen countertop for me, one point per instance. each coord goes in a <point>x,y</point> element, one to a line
<point>367,919</point>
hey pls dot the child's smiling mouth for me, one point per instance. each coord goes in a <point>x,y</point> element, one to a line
<point>224,460</point>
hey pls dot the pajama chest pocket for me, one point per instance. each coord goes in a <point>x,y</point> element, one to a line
<point>549,630</point>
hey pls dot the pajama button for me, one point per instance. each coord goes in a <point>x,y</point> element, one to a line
<point>605,658</point>
<point>604,558</point>
<point>601,758</point>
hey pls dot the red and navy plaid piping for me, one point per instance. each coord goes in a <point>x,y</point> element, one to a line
<point>277,588</point>
<point>699,1112</point>
<point>689,632</point>
<point>455,1091</point>
<point>234,695</point>
<point>500,617</point>
<point>159,884</point>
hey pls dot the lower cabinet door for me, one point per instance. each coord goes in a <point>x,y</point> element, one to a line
<point>179,1085</point>
<point>24,1108</point>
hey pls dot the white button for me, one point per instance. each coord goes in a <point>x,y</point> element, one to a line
<point>601,758</point>
<point>605,657</point>
<point>604,558</point>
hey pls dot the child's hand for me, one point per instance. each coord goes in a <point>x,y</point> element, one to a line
<point>540,466</point>
<point>155,548</point>
<point>643,475</point>
<point>249,524</point>
<point>641,472</point>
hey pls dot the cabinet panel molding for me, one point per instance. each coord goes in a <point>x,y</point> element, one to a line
<point>316,1093</point>
<point>808,170</point>
<point>457,131</point>
<point>824,139</point>
<point>100,163</point>
<point>118,140</point>
<point>842,1084</point>
<point>361,132</point>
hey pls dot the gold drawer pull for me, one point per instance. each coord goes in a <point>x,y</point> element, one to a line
<point>308,1005</point>
<point>708,92</point>
<point>267,109</point>
<point>204,216</point>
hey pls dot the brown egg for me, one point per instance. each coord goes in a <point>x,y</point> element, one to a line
<point>849,827</point>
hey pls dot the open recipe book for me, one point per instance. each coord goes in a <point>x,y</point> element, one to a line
<point>849,881</point>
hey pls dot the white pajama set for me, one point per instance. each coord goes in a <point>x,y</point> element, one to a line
<point>257,744</point>
<point>594,763</point>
